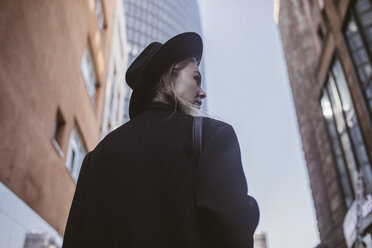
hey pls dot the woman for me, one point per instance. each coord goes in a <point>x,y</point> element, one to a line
<point>142,186</point>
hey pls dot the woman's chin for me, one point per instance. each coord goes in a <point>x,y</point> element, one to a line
<point>197,105</point>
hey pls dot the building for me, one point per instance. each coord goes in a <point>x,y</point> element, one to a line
<point>116,89</point>
<point>149,21</point>
<point>260,240</point>
<point>328,50</point>
<point>54,62</point>
<point>39,240</point>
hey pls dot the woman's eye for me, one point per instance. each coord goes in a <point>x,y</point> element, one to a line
<point>198,81</point>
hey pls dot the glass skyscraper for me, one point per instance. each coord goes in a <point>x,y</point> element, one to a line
<point>149,20</point>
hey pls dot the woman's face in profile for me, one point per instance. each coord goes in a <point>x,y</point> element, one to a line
<point>188,85</point>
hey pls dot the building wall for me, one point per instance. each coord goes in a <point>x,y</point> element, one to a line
<point>116,89</point>
<point>312,38</point>
<point>42,44</point>
<point>301,58</point>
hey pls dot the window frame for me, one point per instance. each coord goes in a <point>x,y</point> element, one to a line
<point>88,72</point>
<point>353,14</point>
<point>74,168</point>
<point>334,157</point>
<point>347,128</point>
<point>58,132</point>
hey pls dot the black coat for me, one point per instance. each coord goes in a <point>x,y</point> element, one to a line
<point>141,187</point>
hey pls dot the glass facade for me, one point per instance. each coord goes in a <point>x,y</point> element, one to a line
<point>358,33</point>
<point>148,21</point>
<point>21,227</point>
<point>344,131</point>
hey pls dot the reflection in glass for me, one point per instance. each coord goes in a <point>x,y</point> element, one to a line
<point>343,127</point>
<point>349,155</point>
<point>352,123</point>
<point>362,5</point>
<point>367,70</point>
<point>358,34</point>
<point>40,240</point>
<point>339,78</point>
<point>75,153</point>
<point>336,147</point>
<point>89,73</point>
<point>336,105</point>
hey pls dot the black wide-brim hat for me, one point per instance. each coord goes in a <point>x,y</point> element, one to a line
<point>145,71</point>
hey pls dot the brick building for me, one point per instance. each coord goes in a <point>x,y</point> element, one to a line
<point>328,50</point>
<point>54,61</point>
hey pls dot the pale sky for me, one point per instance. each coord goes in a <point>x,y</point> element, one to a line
<point>248,87</point>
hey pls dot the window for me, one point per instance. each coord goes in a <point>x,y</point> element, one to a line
<point>321,4</point>
<point>113,90</point>
<point>358,33</point>
<point>344,131</point>
<point>337,149</point>
<point>57,136</point>
<point>320,35</point>
<point>89,73</point>
<point>126,103</point>
<point>75,153</point>
<point>325,18</point>
<point>112,102</point>
<point>311,2</point>
<point>121,42</point>
<point>118,110</point>
<point>99,13</point>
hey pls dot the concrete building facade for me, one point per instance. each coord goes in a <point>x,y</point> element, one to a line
<point>327,47</point>
<point>54,58</point>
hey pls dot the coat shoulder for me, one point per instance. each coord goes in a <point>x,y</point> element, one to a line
<point>214,124</point>
<point>211,127</point>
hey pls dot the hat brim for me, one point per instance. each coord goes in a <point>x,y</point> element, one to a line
<point>182,46</point>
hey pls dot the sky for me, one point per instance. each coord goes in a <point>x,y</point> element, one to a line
<point>247,86</point>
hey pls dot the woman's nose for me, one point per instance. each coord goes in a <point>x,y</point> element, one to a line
<point>202,94</point>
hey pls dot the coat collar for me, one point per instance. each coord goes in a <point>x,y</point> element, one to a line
<point>159,105</point>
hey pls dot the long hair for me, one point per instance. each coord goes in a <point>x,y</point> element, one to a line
<point>165,89</point>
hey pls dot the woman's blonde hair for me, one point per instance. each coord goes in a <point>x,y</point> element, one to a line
<point>165,89</point>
